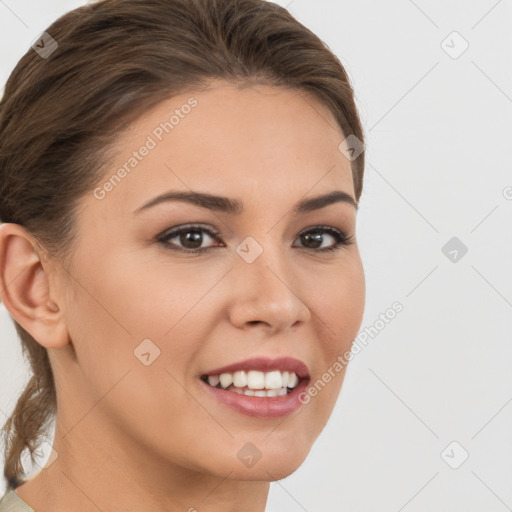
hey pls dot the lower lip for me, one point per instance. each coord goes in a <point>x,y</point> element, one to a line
<point>261,407</point>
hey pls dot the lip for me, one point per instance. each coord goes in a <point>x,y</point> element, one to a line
<point>261,407</point>
<point>265,364</point>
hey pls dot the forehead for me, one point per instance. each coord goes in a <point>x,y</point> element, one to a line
<point>263,141</point>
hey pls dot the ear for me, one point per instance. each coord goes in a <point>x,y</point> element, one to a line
<point>25,287</point>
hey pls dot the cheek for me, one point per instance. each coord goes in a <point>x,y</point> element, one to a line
<point>134,313</point>
<point>339,306</point>
<point>337,300</point>
<point>347,305</point>
<point>140,297</point>
<point>113,313</point>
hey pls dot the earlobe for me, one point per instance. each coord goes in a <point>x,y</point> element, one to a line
<point>25,287</point>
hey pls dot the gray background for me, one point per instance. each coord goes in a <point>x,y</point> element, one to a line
<point>439,144</point>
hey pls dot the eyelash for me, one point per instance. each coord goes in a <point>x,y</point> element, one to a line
<point>342,239</point>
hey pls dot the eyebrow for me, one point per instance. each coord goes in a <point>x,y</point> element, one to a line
<point>236,207</point>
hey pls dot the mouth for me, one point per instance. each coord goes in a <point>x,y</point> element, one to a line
<point>260,386</point>
<point>254,383</point>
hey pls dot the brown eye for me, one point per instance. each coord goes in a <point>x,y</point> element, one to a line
<point>189,238</point>
<point>314,238</point>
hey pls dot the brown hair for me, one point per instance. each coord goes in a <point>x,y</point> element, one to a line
<point>61,113</point>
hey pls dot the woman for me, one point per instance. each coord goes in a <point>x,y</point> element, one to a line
<point>180,181</point>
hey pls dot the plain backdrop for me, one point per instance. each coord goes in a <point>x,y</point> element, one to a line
<point>424,419</point>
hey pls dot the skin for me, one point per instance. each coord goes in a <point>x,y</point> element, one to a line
<point>143,438</point>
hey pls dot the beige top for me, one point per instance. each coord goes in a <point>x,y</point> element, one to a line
<point>11,502</point>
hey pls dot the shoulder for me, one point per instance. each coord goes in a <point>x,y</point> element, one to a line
<point>11,502</point>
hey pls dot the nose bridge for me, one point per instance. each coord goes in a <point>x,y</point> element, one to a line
<point>266,290</point>
<point>263,262</point>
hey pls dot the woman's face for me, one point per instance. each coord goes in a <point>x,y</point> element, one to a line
<point>148,320</point>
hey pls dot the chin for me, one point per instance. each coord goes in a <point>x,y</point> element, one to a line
<point>269,459</point>
<point>267,470</point>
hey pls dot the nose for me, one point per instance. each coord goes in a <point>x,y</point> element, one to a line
<point>265,293</point>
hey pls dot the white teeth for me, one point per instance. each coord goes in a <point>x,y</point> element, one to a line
<point>213,380</point>
<point>293,380</point>
<point>258,392</point>
<point>252,382</point>
<point>273,380</point>
<point>225,379</point>
<point>240,379</point>
<point>255,380</point>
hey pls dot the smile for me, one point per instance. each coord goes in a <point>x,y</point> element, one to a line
<point>255,383</point>
<point>259,387</point>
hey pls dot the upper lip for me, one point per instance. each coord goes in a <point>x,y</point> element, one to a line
<point>265,364</point>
